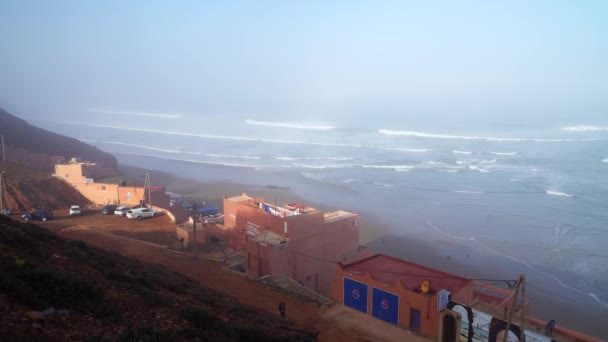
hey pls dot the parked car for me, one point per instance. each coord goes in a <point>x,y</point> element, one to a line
<point>141,213</point>
<point>215,218</point>
<point>121,211</point>
<point>108,209</point>
<point>38,215</point>
<point>5,212</point>
<point>75,210</point>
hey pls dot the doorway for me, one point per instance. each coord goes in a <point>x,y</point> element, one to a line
<point>415,320</point>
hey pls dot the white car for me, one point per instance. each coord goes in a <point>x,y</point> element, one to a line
<point>121,211</point>
<point>141,213</point>
<point>75,210</point>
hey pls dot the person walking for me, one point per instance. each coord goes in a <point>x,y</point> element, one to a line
<point>282,308</point>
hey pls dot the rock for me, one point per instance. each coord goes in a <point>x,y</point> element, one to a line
<point>35,315</point>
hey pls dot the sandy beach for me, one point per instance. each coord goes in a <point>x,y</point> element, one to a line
<point>376,234</point>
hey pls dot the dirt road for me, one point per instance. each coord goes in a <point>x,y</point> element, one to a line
<point>121,235</point>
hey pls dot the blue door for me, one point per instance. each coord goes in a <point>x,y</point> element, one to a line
<point>385,306</point>
<point>355,295</point>
<point>414,320</point>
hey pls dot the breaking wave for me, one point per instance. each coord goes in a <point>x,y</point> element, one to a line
<point>193,160</point>
<point>119,112</point>
<point>504,153</point>
<point>315,158</point>
<point>461,152</point>
<point>477,168</point>
<point>558,193</point>
<point>585,128</point>
<point>389,167</point>
<point>405,149</point>
<point>178,151</point>
<point>467,192</point>
<point>296,125</point>
<point>466,137</point>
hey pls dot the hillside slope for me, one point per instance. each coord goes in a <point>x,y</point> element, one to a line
<point>28,189</point>
<point>21,135</point>
<point>57,289</point>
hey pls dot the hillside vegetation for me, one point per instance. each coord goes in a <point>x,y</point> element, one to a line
<point>57,289</point>
<point>29,189</point>
<point>20,134</point>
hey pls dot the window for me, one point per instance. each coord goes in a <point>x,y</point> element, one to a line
<point>103,187</point>
<point>67,175</point>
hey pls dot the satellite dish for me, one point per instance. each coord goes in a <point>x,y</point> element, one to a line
<point>425,287</point>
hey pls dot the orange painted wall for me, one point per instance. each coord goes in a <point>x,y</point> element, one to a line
<point>426,304</point>
<point>98,193</point>
<point>307,235</point>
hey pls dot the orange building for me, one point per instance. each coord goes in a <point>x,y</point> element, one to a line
<point>82,176</point>
<point>437,304</point>
<point>292,240</point>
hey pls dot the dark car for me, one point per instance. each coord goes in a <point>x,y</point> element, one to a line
<point>108,209</point>
<point>38,215</point>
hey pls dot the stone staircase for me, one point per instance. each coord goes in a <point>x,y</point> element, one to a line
<point>293,286</point>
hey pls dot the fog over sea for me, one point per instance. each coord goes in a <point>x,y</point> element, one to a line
<point>497,197</point>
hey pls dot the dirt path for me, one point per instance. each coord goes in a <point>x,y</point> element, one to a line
<point>146,240</point>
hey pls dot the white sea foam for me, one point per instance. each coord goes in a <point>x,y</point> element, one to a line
<point>467,192</point>
<point>585,128</point>
<point>504,153</point>
<point>605,160</point>
<point>449,171</point>
<point>390,167</point>
<point>146,147</point>
<point>194,160</point>
<point>485,161</point>
<point>329,166</point>
<point>315,158</point>
<point>558,193</point>
<point>311,176</point>
<point>554,278</point>
<point>465,137</point>
<point>230,156</point>
<point>384,185</point>
<point>405,149</point>
<point>461,152</point>
<point>430,224</point>
<point>296,125</point>
<point>477,168</point>
<point>206,136</point>
<point>120,112</point>
<point>349,180</point>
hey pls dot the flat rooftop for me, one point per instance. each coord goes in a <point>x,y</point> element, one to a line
<point>240,198</point>
<point>391,271</point>
<point>337,215</point>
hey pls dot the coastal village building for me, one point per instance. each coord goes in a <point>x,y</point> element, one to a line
<point>293,240</point>
<point>436,304</point>
<point>101,186</point>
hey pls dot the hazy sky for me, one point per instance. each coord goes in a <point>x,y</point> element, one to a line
<point>323,59</point>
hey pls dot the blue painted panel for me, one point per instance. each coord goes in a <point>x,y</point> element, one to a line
<point>355,295</point>
<point>385,306</point>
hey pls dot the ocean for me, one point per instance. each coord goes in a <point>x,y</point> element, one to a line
<point>496,199</point>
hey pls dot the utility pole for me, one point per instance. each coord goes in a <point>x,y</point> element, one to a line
<point>510,319</point>
<point>194,229</point>
<point>1,192</point>
<point>148,187</point>
<point>523,306</point>
<point>3,155</point>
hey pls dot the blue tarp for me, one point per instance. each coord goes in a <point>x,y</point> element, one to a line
<point>208,210</point>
